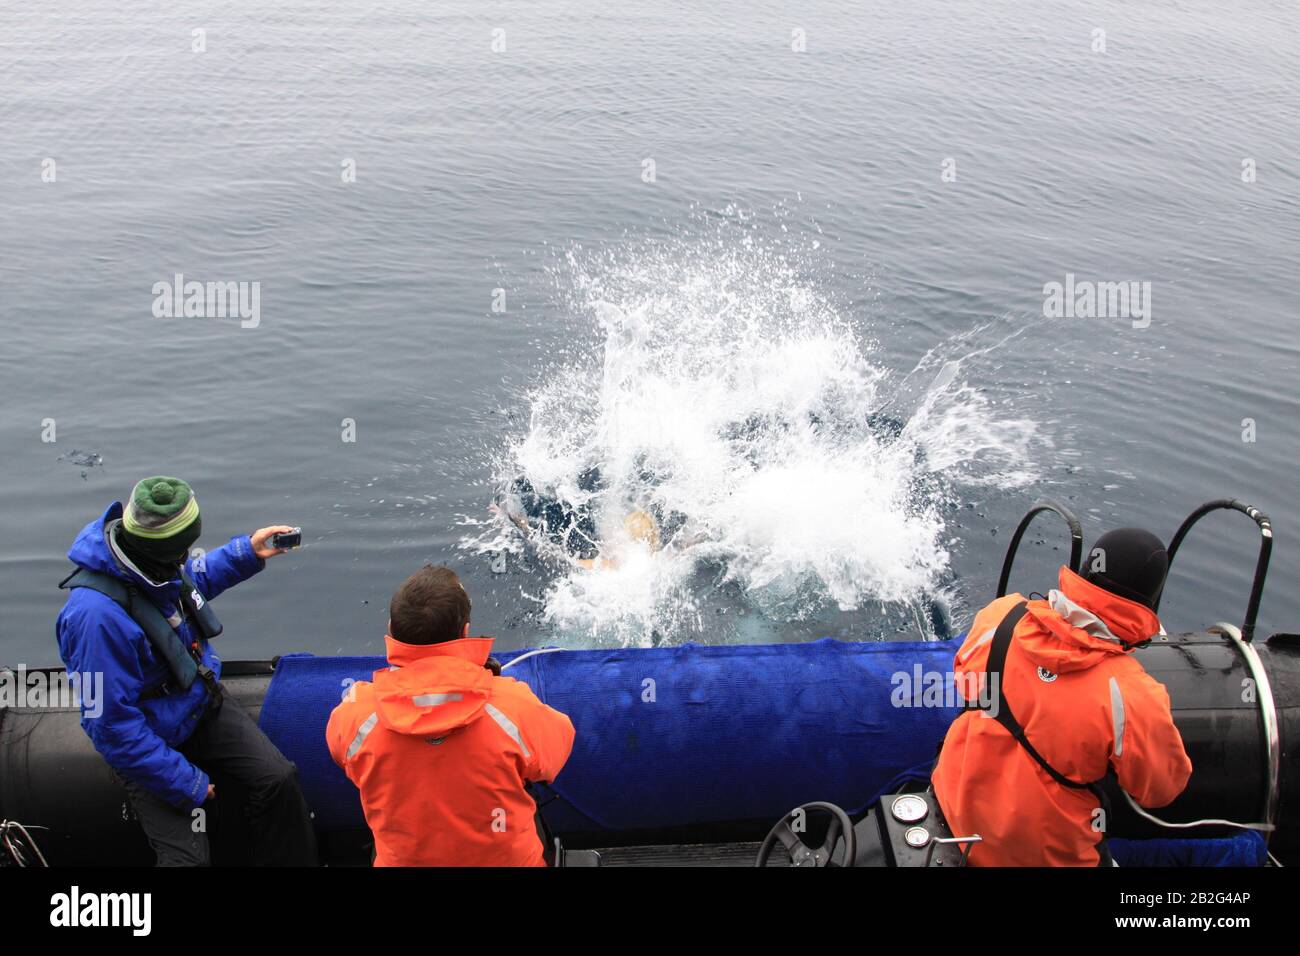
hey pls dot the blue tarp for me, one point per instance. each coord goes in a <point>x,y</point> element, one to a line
<point>1245,849</point>
<point>676,735</point>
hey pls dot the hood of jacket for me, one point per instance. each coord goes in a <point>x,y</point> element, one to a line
<point>433,689</point>
<point>91,550</point>
<point>1076,627</point>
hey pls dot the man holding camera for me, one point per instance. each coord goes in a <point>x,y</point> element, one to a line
<point>139,613</point>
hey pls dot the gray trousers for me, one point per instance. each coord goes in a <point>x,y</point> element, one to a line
<point>229,746</point>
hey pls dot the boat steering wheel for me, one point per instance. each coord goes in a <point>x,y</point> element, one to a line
<point>840,831</point>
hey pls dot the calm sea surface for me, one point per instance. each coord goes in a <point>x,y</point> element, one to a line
<point>479,170</point>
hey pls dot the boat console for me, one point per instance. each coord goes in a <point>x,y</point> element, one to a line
<point>901,829</point>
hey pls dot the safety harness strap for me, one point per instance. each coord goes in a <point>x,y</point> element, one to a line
<point>1007,718</point>
<point>198,609</point>
<point>184,663</point>
<point>1004,715</point>
<point>994,671</point>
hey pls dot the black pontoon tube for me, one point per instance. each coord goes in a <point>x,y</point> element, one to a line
<point>1272,746</point>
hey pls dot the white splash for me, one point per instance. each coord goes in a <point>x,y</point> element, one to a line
<point>726,391</point>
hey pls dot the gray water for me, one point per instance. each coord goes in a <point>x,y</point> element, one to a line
<point>479,170</point>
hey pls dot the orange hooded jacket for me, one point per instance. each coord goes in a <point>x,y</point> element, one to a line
<point>441,749</point>
<point>1085,704</point>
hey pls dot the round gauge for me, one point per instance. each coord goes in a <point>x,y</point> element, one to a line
<point>916,837</point>
<point>910,808</point>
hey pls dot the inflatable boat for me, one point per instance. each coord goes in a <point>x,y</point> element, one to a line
<point>691,754</point>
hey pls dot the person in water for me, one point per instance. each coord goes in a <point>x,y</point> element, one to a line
<point>544,517</point>
<point>441,746</point>
<point>139,613</point>
<point>572,530</point>
<point>1064,702</point>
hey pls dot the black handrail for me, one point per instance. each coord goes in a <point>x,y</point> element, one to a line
<point>1261,564</point>
<point>1043,504</point>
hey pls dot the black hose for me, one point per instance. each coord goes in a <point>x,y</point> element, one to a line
<point>1261,563</point>
<point>1044,504</point>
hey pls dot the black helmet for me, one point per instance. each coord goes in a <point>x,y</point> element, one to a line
<point>1129,562</point>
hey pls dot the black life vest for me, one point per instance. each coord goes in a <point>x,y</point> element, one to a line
<point>184,662</point>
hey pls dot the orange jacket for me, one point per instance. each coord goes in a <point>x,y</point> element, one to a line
<point>441,749</point>
<point>1085,704</point>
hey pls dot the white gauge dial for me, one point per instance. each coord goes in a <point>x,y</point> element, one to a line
<point>917,837</point>
<point>910,808</point>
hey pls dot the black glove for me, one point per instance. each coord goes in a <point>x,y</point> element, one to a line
<point>494,666</point>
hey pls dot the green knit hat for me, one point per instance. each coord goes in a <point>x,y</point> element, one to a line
<point>160,508</point>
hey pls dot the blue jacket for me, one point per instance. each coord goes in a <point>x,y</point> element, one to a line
<point>139,737</point>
